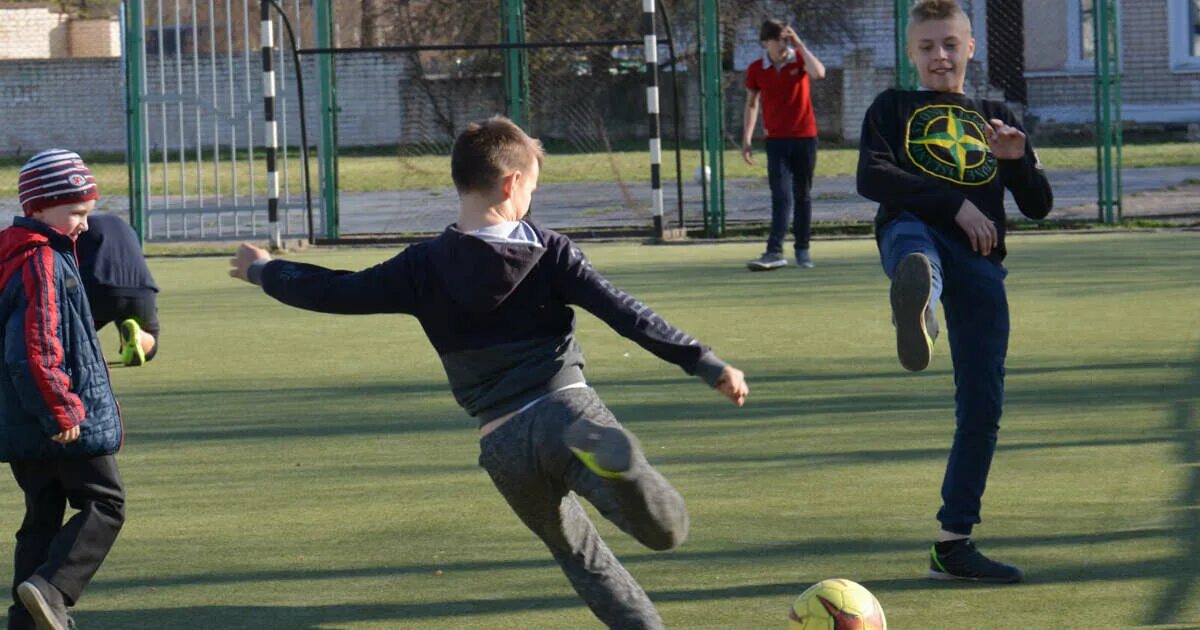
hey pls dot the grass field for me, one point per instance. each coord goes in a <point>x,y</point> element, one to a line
<point>294,470</point>
<point>372,173</point>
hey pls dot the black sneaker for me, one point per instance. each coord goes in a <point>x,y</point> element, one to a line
<point>767,262</point>
<point>45,604</point>
<point>803,260</point>
<point>606,450</point>
<point>960,560</point>
<point>913,315</point>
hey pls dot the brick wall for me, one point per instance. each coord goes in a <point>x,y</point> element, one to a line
<point>70,103</point>
<point>94,38</point>
<point>32,32</point>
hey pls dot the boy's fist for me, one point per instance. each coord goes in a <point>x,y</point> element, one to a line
<point>733,385</point>
<point>245,255</point>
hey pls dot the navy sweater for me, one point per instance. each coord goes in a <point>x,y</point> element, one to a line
<point>925,152</point>
<point>497,313</point>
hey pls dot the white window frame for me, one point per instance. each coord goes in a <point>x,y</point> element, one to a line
<point>1179,23</point>
<point>1076,63</point>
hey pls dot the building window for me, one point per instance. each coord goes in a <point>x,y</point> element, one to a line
<point>1081,34</point>
<point>1086,31</point>
<point>1183,21</point>
<point>1194,23</point>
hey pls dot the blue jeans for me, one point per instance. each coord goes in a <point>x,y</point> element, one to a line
<point>790,165</point>
<point>971,289</point>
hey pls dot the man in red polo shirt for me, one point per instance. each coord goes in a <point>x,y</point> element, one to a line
<point>781,81</point>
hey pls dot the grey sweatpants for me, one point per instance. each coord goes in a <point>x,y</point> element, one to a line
<point>540,478</point>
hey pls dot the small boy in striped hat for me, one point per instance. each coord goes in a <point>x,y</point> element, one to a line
<point>60,426</point>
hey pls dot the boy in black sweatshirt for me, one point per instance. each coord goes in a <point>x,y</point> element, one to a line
<point>492,294</point>
<point>938,163</point>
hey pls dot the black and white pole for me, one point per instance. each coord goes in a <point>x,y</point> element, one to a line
<point>651,43</point>
<point>268,45</point>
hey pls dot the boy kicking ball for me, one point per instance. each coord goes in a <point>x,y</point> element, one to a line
<point>492,293</point>
<point>938,163</point>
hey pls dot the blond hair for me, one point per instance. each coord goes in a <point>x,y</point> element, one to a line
<point>931,10</point>
<point>489,149</point>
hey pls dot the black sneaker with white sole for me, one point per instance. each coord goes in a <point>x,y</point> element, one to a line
<point>912,313</point>
<point>767,262</point>
<point>960,560</point>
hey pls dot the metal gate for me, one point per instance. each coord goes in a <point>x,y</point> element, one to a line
<point>195,137</point>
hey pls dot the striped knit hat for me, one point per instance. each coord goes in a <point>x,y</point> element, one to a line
<point>54,178</point>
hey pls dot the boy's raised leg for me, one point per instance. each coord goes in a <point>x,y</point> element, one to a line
<point>912,261</point>
<point>532,467</point>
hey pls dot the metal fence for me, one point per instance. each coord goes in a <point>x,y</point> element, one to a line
<point>195,121</point>
<point>391,84</point>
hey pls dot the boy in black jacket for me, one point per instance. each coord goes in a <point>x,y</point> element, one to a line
<point>119,286</point>
<point>938,163</point>
<point>492,293</point>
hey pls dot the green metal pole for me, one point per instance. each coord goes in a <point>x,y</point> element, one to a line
<point>329,110</point>
<point>1108,108</point>
<point>714,115</point>
<point>135,145</point>
<point>516,74</point>
<point>906,74</point>
<point>1118,131</point>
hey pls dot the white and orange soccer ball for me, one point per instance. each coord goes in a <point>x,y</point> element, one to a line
<point>837,604</point>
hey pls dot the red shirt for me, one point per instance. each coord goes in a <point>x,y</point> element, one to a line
<point>787,110</point>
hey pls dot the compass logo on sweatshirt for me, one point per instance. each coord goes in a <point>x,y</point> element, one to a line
<point>948,142</point>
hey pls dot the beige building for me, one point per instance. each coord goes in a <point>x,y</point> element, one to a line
<point>40,31</point>
<point>1159,60</point>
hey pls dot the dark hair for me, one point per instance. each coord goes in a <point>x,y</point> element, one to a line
<point>927,10</point>
<point>771,29</point>
<point>487,149</point>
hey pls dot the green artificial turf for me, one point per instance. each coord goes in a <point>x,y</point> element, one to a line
<point>292,470</point>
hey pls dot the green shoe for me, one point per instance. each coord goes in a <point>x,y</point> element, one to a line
<point>605,450</point>
<point>131,343</point>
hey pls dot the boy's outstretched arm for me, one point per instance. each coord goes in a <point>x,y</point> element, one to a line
<point>384,288</point>
<point>579,283</point>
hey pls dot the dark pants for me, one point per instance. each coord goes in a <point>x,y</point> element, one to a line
<point>790,165</point>
<point>66,554</point>
<point>976,311</point>
<point>116,305</point>
<point>540,478</point>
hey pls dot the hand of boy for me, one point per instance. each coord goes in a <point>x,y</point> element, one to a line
<point>732,385</point>
<point>1007,143</point>
<point>747,153</point>
<point>978,228</point>
<point>790,35</point>
<point>245,255</point>
<point>68,436</point>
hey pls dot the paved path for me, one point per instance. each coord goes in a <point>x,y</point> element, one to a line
<point>607,205</point>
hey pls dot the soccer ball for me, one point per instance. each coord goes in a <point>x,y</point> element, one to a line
<point>836,605</point>
<point>702,175</point>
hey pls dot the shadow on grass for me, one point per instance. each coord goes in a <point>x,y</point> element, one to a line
<point>1184,586</point>
<point>800,550</point>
